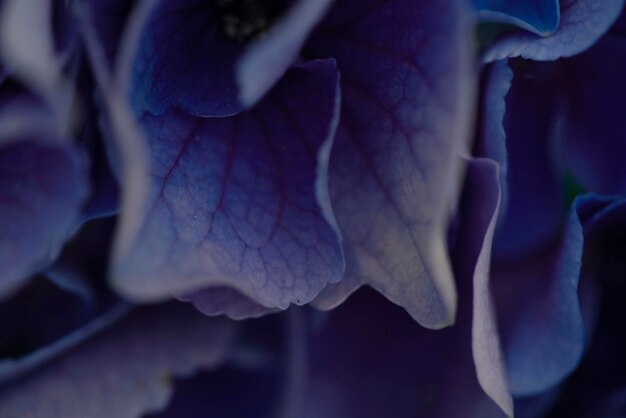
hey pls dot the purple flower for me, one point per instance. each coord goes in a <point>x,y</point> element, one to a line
<point>234,158</point>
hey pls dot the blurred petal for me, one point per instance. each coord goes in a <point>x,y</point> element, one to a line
<point>237,202</point>
<point>367,340</point>
<point>539,312</point>
<point>583,22</point>
<point>491,142</point>
<point>595,129</point>
<point>260,388</point>
<point>534,206</point>
<point>27,41</point>
<point>537,16</point>
<point>132,364</point>
<point>481,206</point>
<point>598,387</point>
<point>57,312</point>
<point>226,301</point>
<point>109,18</point>
<point>394,169</point>
<point>42,189</point>
<point>267,59</point>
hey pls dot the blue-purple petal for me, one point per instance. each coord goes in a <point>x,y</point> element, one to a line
<point>42,189</point>
<point>394,170</point>
<point>184,59</point>
<point>267,59</point>
<point>236,201</point>
<point>533,188</point>
<point>594,137</point>
<point>537,16</point>
<point>582,23</point>
<point>125,371</point>
<point>539,312</point>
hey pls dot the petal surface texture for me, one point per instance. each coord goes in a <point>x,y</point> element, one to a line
<point>236,201</point>
<point>582,23</point>
<point>394,171</point>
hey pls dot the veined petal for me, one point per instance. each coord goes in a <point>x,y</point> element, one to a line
<point>394,171</point>
<point>237,202</point>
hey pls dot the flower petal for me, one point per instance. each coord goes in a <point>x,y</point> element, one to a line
<point>537,16</point>
<point>539,313</point>
<point>183,60</point>
<point>237,201</point>
<point>480,207</point>
<point>132,362</point>
<point>597,386</point>
<point>226,301</point>
<point>583,22</point>
<point>42,189</point>
<point>595,128</point>
<point>267,59</point>
<point>532,187</point>
<point>394,170</point>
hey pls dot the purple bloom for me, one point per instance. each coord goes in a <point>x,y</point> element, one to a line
<point>227,160</point>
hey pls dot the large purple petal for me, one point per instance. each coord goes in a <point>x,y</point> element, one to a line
<point>583,22</point>
<point>241,202</point>
<point>537,16</point>
<point>595,129</point>
<point>394,169</point>
<point>123,372</point>
<point>539,312</point>
<point>42,189</point>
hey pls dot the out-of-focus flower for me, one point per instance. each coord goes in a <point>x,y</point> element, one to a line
<point>247,156</point>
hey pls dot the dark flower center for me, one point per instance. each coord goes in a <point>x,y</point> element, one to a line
<point>243,20</point>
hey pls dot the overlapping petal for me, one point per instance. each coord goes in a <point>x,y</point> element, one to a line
<point>186,59</point>
<point>537,16</point>
<point>595,129</point>
<point>43,185</point>
<point>524,143</point>
<point>394,169</point>
<point>582,23</point>
<point>539,311</point>
<point>124,372</point>
<point>238,202</point>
